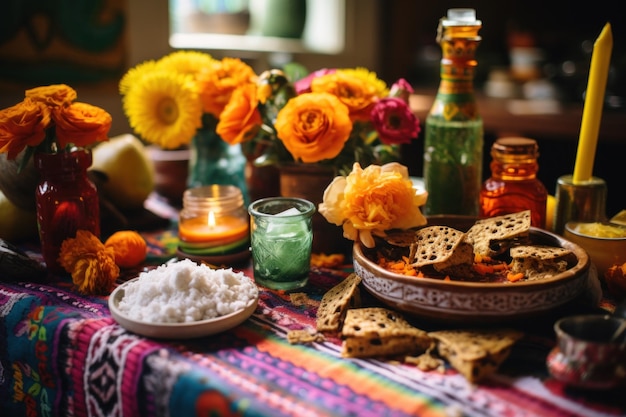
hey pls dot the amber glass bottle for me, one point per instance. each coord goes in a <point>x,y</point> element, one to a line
<point>513,185</point>
<point>453,142</point>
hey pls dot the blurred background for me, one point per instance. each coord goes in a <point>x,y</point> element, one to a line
<point>533,60</point>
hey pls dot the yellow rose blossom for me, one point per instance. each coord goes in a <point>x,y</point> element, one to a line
<point>313,126</point>
<point>372,200</point>
<point>164,108</point>
<point>218,81</point>
<point>90,262</point>
<point>81,124</point>
<point>359,89</point>
<point>240,119</point>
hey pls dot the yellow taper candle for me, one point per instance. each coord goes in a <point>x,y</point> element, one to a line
<point>592,111</point>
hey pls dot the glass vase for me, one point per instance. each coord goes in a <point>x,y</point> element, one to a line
<point>66,201</point>
<point>213,161</point>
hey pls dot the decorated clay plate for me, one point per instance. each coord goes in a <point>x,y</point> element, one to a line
<point>177,330</point>
<point>475,302</point>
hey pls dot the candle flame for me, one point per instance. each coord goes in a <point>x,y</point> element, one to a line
<point>211,219</point>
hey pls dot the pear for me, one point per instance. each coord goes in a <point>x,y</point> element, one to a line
<point>126,170</point>
<point>16,224</point>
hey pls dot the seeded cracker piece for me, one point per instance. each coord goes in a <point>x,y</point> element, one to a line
<point>377,331</point>
<point>304,336</point>
<point>538,262</point>
<point>495,235</point>
<point>475,353</point>
<point>435,245</point>
<point>335,303</point>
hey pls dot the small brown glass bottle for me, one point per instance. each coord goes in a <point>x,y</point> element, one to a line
<point>513,185</point>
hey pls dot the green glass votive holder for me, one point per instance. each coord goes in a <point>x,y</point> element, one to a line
<point>281,237</point>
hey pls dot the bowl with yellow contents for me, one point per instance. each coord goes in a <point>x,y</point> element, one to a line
<point>605,242</point>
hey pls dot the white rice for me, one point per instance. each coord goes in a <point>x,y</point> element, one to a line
<point>184,291</point>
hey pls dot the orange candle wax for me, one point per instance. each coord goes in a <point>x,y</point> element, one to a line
<point>224,230</point>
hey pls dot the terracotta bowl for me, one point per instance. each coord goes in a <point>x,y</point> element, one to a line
<point>475,302</point>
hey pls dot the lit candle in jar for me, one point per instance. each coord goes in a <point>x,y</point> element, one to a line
<point>226,229</point>
<point>213,223</point>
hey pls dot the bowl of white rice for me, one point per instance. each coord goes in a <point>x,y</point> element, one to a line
<point>183,300</point>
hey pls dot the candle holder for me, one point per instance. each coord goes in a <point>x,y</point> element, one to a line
<point>579,201</point>
<point>214,226</point>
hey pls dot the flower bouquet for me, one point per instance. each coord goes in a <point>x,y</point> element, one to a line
<point>56,131</point>
<point>177,101</point>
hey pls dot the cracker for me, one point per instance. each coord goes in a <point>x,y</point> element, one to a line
<point>475,353</point>
<point>304,336</point>
<point>377,331</point>
<point>335,302</point>
<point>298,298</point>
<point>435,244</point>
<point>494,235</point>
<point>540,262</point>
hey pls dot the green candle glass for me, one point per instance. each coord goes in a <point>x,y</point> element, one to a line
<point>281,238</point>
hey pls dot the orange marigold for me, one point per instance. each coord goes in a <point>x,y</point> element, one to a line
<point>91,264</point>
<point>313,126</point>
<point>130,248</point>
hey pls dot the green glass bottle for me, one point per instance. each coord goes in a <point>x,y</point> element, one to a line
<point>453,148</point>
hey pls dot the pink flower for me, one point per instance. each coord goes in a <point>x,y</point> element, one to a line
<point>303,85</point>
<point>401,89</point>
<point>394,121</point>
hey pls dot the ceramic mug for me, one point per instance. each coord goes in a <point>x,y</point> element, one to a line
<point>585,355</point>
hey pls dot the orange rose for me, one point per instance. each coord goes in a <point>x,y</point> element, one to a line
<point>313,126</point>
<point>358,90</point>
<point>240,120</point>
<point>53,95</point>
<point>81,124</point>
<point>217,83</point>
<point>372,200</point>
<point>22,125</point>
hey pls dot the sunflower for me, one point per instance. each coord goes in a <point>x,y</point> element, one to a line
<point>164,108</point>
<point>186,62</point>
<point>134,75</point>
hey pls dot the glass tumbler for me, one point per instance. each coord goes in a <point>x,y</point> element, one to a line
<point>281,238</point>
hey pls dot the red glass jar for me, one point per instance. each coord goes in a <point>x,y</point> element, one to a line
<point>513,185</point>
<point>66,201</point>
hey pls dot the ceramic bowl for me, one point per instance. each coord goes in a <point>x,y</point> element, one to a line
<point>603,251</point>
<point>585,355</point>
<point>475,302</point>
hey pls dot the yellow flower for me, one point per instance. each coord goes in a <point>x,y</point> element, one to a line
<point>91,264</point>
<point>313,126</point>
<point>240,119</point>
<point>372,200</point>
<point>135,74</point>
<point>359,89</point>
<point>186,62</point>
<point>164,108</point>
<point>217,82</point>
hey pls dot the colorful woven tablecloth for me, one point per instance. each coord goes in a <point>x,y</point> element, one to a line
<point>62,354</point>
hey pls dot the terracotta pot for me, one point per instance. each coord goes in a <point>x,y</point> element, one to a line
<point>310,182</point>
<point>171,168</point>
